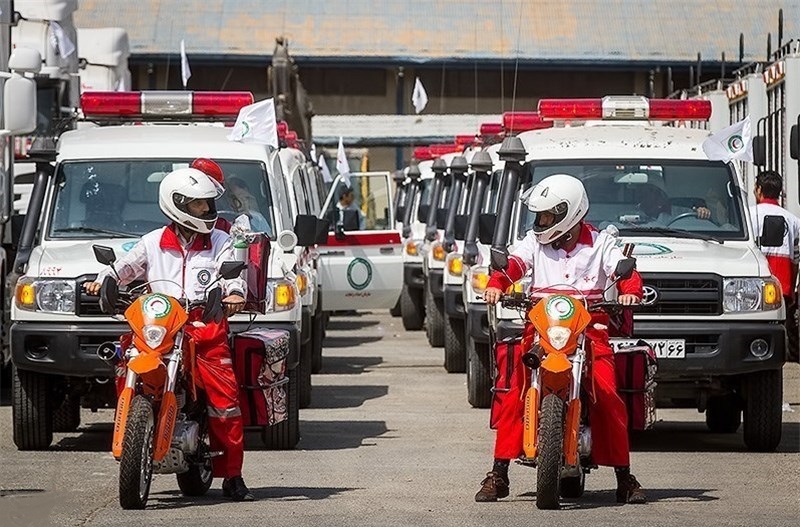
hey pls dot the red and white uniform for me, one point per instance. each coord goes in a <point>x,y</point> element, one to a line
<point>163,255</point>
<point>782,260</point>
<point>587,268</point>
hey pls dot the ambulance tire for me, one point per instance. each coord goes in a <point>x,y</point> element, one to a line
<point>304,367</point>
<point>31,410</point>
<point>67,417</point>
<point>724,414</point>
<point>286,434</point>
<point>455,354</point>
<point>434,312</point>
<point>479,375</point>
<point>317,336</point>
<point>763,417</point>
<point>412,309</point>
<point>396,310</point>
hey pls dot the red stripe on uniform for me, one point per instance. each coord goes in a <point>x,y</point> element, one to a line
<point>783,269</point>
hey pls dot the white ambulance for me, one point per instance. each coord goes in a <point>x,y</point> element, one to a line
<point>711,309</point>
<point>104,190</point>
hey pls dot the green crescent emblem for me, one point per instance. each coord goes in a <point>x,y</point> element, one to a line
<point>246,128</point>
<point>359,274</point>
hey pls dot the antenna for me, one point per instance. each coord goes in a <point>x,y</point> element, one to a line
<point>502,62</point>
<point>722,67</point>
<point>691,76</point>
<point>741,49</point>
<point>699,68</point>
<point>769,46</point>
<point>516,62</point>
<point>780,28</point>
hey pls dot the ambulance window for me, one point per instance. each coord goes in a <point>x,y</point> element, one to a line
<point>490,205</point>
<point>299,191</point>
<point>369,195</point>
<point>636,195</point>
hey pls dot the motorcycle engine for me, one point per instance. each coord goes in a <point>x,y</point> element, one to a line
<point>584,441</point>
<point>186,436</point>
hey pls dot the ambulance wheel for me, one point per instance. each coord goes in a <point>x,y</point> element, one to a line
<point>396,310</point>
<point>317,336</point>
<point>455,354</point>
<point>286,434</point>
<point>67,417</point>
<point>304,367</point>
<point>724,414</point>
<point>31,410</point>
<point>434,314</point>
<point>479,374</point>
<point>762,410</point>
<point>412,309</point>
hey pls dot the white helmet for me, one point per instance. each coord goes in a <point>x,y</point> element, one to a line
<point>563,196</point>
<point>182,186</point>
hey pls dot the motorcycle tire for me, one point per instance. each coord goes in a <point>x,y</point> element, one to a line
<point>197,480</point>
<point>136,463</point>
<point>550,453</point>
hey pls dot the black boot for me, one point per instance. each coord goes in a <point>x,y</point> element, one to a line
<point>235,489</point>
<point>628,488</point>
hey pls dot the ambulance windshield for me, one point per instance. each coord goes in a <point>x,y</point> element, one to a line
<point>119,199</point>
<point>641,195</point>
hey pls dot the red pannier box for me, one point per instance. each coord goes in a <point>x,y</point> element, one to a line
<point>636,368</point>
<point>259,363</point>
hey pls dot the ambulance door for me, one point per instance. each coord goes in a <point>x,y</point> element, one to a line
<point>361,264</point>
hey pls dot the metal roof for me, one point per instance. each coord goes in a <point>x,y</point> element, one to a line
<point>418,31</point>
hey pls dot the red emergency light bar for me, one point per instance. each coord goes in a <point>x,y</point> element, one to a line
<point>164,104</point>
<point>440,150</point>
<point>291,139</point>
<point>282,129</point>
<point>625,109</point>
<point>422,153</point>
<point>515,122</point>
<point>490,129</point>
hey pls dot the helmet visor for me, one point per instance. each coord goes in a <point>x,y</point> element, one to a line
<point>547,219</point>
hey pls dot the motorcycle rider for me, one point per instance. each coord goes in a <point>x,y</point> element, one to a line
<point>189,251</point>
<point>563,249</point>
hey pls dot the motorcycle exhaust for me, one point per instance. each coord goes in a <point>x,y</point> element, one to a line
<point>108,352</point>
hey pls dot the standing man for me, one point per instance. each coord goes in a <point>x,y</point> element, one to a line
<point>782,260</point>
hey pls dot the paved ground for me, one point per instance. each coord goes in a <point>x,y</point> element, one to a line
<point>391,440</point>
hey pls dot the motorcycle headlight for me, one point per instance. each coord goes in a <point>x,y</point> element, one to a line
<point>741,295</point>
<point>154,335</point>
<point>480,279</point>
<point>558,336</point>
<point>52,296</point>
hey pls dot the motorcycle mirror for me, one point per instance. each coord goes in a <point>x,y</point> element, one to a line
<point>625,268</point>
<point>230,270</point>
<point>499,259</point>
<point>213,309</point>
<point>109,293</point>
<point>104,255</point>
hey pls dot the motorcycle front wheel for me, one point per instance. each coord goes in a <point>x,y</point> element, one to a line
<point>136,463</point>
<point>550,452</point>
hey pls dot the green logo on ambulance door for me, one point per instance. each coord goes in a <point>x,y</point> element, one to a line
<point>359,274</point>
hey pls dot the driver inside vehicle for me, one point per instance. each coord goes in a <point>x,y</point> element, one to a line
<point>656,209</point>
<point>243,201</point>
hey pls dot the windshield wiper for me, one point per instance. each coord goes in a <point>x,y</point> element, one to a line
<point>94,230</point>
<point>675,233</point>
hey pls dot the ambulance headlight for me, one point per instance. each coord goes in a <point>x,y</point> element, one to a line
<point>480,279</point>
<point>52,296</point>
<point>282,294</point>
<point>742,295</point>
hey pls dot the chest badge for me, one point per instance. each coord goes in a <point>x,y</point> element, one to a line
<point>204,277</point>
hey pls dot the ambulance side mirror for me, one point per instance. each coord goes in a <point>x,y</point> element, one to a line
<point>499,259</point>
<point>794,140</point>
<point>305,228</point>
<point>760,150</point>
<point>773,231</point>
<point>460,226</point>
<point>486,224</point>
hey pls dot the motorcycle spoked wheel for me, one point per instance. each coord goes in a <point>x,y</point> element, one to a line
<point>197,480</point>
<point>550,453</point>
<point>136,463</point>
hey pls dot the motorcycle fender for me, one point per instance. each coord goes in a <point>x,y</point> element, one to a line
<point>145,362</point>
<point>120,420</point>
<point>571,426</point>
<point>166,425</point>
<point>556,363</point>
<point>531,423</point>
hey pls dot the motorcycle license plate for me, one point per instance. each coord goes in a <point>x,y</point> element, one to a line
<point>664,348</point>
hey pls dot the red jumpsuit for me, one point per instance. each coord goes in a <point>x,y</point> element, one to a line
<point>587,268</point>
<point>161,255</point>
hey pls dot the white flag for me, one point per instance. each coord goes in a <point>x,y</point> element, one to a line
<point>256,123</point>
<point>60,40</point>
<point>341,163</point>
<point>186,72</point>
<point>323,166</point>
<point>419,97</point>
<point>733,142</point>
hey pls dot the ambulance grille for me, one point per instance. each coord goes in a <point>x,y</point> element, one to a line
<point>684,294</point>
